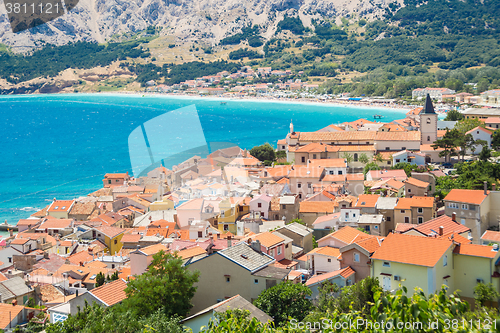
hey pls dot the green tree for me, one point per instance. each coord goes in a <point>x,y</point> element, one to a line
<point>167,284</point>
<point>348,157</point>
<point>299,221</point>
<point>448,143</point>
<point>281,154</point>
<point>363,158</point>
<point>370,166</point>
<point>285,300</point>
<point>378,158</point>
<point>495,140</point>
<point>263,152</point>
<point>100,279</point>
<point>485,154</point>
<point>465,125</point>
<point>485,293</point>
<point>453,115</point>
<point>236,321</point>
<point>315,243</point>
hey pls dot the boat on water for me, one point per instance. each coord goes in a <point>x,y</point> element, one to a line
<point>377,116</point>
<point>223,103</point>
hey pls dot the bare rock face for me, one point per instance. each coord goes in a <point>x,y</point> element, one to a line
<point>212,20</point>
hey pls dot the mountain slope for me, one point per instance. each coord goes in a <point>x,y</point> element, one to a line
<point>210,20</point>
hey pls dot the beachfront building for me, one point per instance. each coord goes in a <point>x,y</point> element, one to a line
<point>434,93</point>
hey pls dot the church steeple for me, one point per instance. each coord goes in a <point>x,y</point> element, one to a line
<point>428,107</point>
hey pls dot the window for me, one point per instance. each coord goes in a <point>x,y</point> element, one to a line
<point>420,219</point>
<point>314,156</point>
<point>367,143</point>
<point>117,180</point>
<point>116,241</point>
<point>286,246</point>
<point>445,260</point>
<point>375,226</point>
<point>10,259</point>
<point>279,250</point>
<point>403,148</point>
<point>300,196</point>
<point>346,215</point>
<point>407,219</point>
<point>353,214</point>
<point>112,266</point>
<point>259,204</point>
<point>228,279</point>
<point>465,206</point>
<point>350,143</point>
<point>409,190</point>
<point>200,234</point>
<point>355,157</point>
<point>226,227</point>
<point>356,257</point>
<point>331,172</point>
<point>309,185</point>
<point>462,221</point>
<point>428,138</point>
<point>386,264</point>
<point>428,120</point>
<point>329,260</point>
<point>271,253</point>
<point>387,148</point>
<point>367,228</point>
<point>299,185</point>
<point>452,205</point>
<point>303,159</point>
<point>340,172</point>
<point>109,181</point>
<point>402,211</point>
<point>397,160</point>
<point>420,210</point>
<point>256,281</point>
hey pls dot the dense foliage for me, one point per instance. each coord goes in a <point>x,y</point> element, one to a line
<point>264,153</point>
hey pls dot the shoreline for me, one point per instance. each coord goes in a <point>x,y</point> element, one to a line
<point>253,99</point>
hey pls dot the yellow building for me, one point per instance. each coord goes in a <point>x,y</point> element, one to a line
<point>231,210</point>
<point>414,261</point>
<point>165,204</point>
<point>110,236</point>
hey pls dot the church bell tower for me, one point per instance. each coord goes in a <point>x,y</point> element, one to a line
<point>428,123</point>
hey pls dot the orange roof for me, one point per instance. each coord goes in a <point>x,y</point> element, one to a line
<point>131,238</point>
<point>116,175</point>
<point>417,182</point>
<point>475,197</point>
<point>20,241</point>
<point>355,176</point>
<point>317,207</point>
<point>345,273</point>
<point>8,312</point>
<point>278,171</point>
<point>347,235</point>
<point>326,251</point>
<point>398,136</point>
<point>475,250</point>
<point>359,122</point>
<point>421,202</point>
<point>111,293</point>
<point>490,235</point>
<point>440,134</point>
<point>414,250</point>
<point>153,249</point>
<point>442,221</point>
<point>367,200</point>
<point>428,147</point>
<point>334,178</point>
<point>415,112</point>
<point>192,204</point>
<point>316,147</point>
<point>268,239</point>
<point>338,136</point>
<point>60,205</point>
<point>41,213</point>
<point>369,244</point>
<point>191,252</point>
<point>356,148</point>
<point>457,238</point>
<point>56,224</point>
<point>111,232</point>
<point>80,257</point>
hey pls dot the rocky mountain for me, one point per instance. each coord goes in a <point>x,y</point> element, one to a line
<point>209,20</point>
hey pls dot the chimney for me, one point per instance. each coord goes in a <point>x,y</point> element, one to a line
<point>256,246</point>
<point>441,231</point>
<point>485,187</point>
<point>454,217</point>
<point>229,242</point>
<point>14,302</point>
<point>307,163</point>
<point>493,187</point>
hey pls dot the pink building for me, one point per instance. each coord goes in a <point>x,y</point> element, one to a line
<point>261,204</point>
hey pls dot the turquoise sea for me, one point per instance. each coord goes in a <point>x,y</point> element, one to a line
<point>62,145</point>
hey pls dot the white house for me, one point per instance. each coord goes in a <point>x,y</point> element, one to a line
<point>480,133</point>
<point>323,259</point>
<point>409,157</point>
<point>330,221</point>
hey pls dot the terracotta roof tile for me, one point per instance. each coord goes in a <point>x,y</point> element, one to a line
<point>347,235</point>
<point>111,232</point>
<point>475,197</point>
<point>153,249</point>
<point>317,207</point>
<point>491,235</point>
<point>191,252</point>
<point>398,136</point>
<point>111,293</point>
<point>369,244</point>
<point>417,182</point>
<point>8,311</point>
<point>367,200</point>
<point>60,206</point>
<point>444,221</point>
<point>345,273</point>
<point>415,250</point>
<point>328,163</point>
<point>268,239</point>
<point>338,136</point>
<point>81,257</point>
<point>326,251</point>
<point>408,203</point>
<point>316,147</point>
<point>476,250</point>
<point>56,224</point>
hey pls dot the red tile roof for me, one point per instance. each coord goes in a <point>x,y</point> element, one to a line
<point>268,239</point>
<point>326,207</point>
<point>60,206</point>
<point>8,312</point>
<point>326,251</point>
<point>442,221</point>
<point>111,232</point>
<point>367,200</point>
<point>111,293</point>
<point>476,250</point>
<point>328,163</point>
<point>421,202</point>
<point>414,250</point>
<point>490,235</point>
<point>347,235</point>
<point>416,182</point>
<point>475,197</point>
<point>345,273</point>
